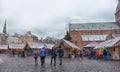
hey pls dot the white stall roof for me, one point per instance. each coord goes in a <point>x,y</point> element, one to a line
<point>70,44</point>
<point>49,46</point>
<point>16,46</point>
<point>115,35</point>
<point>3,46</point>
<point>108,43</point>
<point>38,45</point>
<point>92,44</point>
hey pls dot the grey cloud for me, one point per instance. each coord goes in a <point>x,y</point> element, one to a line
<point>39,31</point>
<point>52,17</point>
<point>108,15</point>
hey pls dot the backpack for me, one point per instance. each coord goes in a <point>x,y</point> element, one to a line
<point>42,53</point>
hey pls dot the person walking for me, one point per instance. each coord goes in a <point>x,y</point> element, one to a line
<point>91,54</point>
<point>36,54</point>
<point>10,52</point>
<point>96,54</point>
<point>0,52</point>
<point>105,54</point>
<point>42,56</point>
<point>13,53</point>
<point>81,55</point>
<point>61,54</point>
<point>23,54</point>
<point>101,53</point>
<point>53,56</point>
<point>87,53</point>
<point>75,54</point>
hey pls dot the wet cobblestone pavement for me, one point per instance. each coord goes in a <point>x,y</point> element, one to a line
<point>8,64</point>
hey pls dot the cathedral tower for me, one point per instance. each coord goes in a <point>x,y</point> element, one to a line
<point>4,29</point>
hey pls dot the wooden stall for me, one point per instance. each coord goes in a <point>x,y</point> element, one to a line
<point>30,46</point>
<point>69,47</point>
<point>3,49</point>
<point>90,46</point>
<point>113,45</point>
<point>18,48</point>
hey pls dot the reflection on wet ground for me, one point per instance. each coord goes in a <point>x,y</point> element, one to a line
<point>9,64</point>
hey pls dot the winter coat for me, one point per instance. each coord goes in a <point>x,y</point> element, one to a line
<point>42,52</point>
<point>61,52</point>
<point>53,53</point>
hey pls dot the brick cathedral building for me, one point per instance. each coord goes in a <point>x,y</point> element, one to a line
<point>85,33</point>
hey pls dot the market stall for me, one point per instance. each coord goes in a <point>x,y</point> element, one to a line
<point>30,46</point>
<point>16,47</point>
<point>3,49</point>
<point>113,45</point>
<point>90,46</point>
<point>69,47</point>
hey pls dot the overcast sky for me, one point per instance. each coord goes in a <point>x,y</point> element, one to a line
<point>50,17</point>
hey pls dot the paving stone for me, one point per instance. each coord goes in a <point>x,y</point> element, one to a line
<point>9,64</point>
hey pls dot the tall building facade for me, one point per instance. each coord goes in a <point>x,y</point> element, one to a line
<point>117,14</point>
<point>12,40</point>
<point>84,33</point>
<point>3,38</point>
<point>28,37</point>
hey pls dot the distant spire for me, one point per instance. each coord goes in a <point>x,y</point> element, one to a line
<point>4,29</point>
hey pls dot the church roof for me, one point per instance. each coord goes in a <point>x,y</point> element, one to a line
<point>94,26</point>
